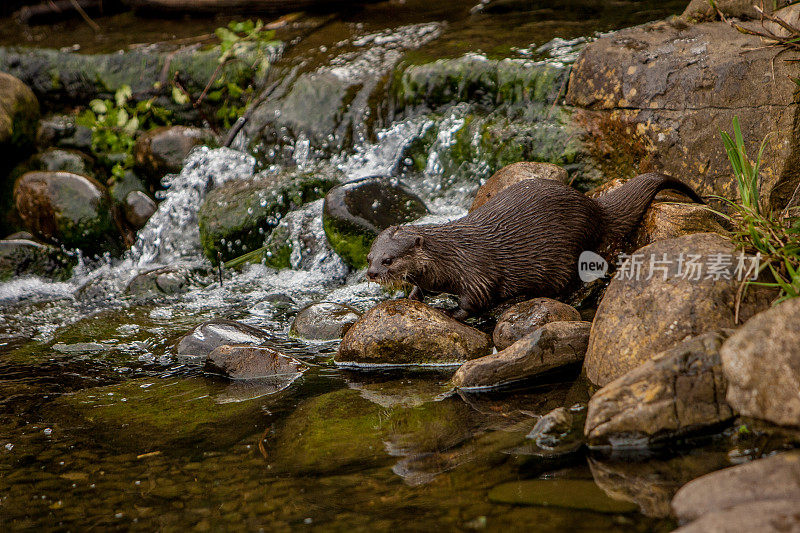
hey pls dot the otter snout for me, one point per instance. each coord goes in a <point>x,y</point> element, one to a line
<point>372,274</point>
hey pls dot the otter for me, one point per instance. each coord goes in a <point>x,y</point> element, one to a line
<point>524,241</point>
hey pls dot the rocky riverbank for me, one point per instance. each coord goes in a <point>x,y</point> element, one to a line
<point>240,270</point>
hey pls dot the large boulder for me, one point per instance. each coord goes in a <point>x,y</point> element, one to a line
<point>407,332</point>
<point>677,392</point>
<point>162,150</point>
<point>354,213</point>
<point>654,97</point>
<point>522,319</point>
<point>514,173</point>
<point>67,209</point>
<point>554,345</point>
<point>699,10</point>
<point>762,363</point>
<point>237,217</point>
<point>654,302</point>
<point>775,478</point>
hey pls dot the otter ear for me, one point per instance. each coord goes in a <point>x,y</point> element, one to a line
<point>418,241</point>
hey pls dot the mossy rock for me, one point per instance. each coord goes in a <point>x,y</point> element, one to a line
<point>473,78</point>
<point>67,209</point>
<point>237,217</point>
<point>568,493</point>
<point>58,160</point>
<point>354,213</point>
<point>22,257</point>
<point>152,414</point>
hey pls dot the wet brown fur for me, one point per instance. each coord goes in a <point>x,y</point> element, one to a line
<point>524,241</point>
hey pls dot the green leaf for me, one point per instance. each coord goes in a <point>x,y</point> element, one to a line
<point>179,97</point>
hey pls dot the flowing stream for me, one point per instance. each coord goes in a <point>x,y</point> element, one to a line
<point>104,425</point>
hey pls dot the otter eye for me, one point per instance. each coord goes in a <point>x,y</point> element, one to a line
<point>387,261</point>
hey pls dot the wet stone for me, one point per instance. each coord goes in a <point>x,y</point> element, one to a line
<point>206,337</point>
<point>354,213</point>
<point>766,517</point>
<point>554,345</point>
<point>407,332</point>
<point>138,208</point>
<point>162,150</point>
<point>68,209</point>
<point>522,319</point>
<point>164,280</point>
<point>323,321</point>
<point>59,159</point>
<point>250,362</point>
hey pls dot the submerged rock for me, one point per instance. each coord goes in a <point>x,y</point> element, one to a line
<point>762,363</point>
<point>554,345</point>
<point>67,209</point>
<point>561,430</point>
<point>168,280</point>
<point>407,332</point>
<point>23,257</point>
<point>323,321</point>
<point>254,362</point>
<point>567,493</point>
<point>651,482</point>
<point>206,337</point>
<point>675,393</point>
<point>522,319</point>
<point>237,217</point>
<point>514,173</point>
<point>161,151</point>
<point>354,213</point>
<point>775,478</point>
<point>655,96</point>
<point>639,318</point>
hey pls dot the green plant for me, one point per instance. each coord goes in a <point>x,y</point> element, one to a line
<point>776,237</point>
<point>116,123</point>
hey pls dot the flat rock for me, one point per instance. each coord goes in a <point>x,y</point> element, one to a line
<point>554,345</point>
<point>762,363</point>
<point>407,332</point>
<point>567,493</point>
<point>522,319</point>
<point>323,321</point>
<point>679,391</point>
<point>251,362</point>
<point>514,173</point>
<point>770,479</point>
<point>206,337</point>
<point>639,318</point>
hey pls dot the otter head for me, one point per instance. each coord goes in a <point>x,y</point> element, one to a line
<point>394,256</point>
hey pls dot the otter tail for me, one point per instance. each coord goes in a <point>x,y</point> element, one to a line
<point>624,207</point>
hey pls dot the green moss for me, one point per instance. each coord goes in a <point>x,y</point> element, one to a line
<point>350,243</point>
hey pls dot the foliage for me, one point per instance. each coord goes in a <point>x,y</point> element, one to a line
<point>775,236</point>
<point>115,124</point>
